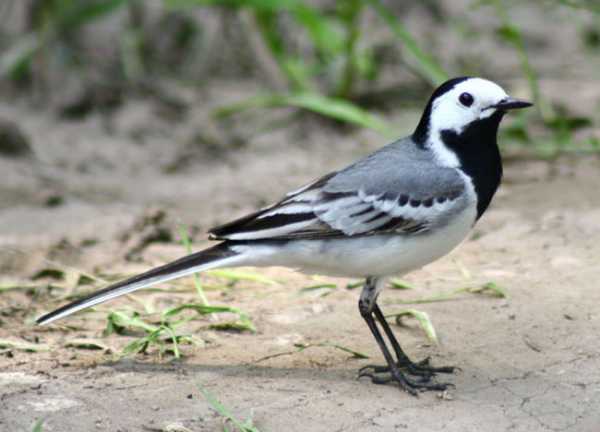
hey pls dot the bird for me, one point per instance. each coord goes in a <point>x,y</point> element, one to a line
<point>394,211</point>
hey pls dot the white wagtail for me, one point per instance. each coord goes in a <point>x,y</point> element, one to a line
<point>402,207</point>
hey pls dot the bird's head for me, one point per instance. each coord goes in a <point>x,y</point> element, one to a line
<point>463,104</point>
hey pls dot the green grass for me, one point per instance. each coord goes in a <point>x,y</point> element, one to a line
<point>234,276</point>
<point>299,347</point>
<point>490,288</point>
<point>333,47</point>
<point>37,427</point>
<point>162,336</point>
<point>228,417</point>
<point>512,34</point>
<point>421,317</point>
<point>558,126</point>
<point>52,25</point>
<point>327,288</point>
<point>165,331</point>
<point>23,346</point>
<point>13,285</point>
<point>187,244</point>
<point>326,65</point>
<point>425,64</point>
<point>324,289</point>
<point>332,107</point>
<point>333,37</point>
<point>399,284</point>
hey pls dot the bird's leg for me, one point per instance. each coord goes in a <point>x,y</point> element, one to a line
<point>369,310</point>
<point>419,368</point>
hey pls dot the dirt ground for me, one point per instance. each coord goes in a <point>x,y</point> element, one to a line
<point>528,362</point>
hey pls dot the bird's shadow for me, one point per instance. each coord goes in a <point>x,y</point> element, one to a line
<point>242,370</point>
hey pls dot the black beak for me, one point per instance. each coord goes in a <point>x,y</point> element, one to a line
<point>511,103</point>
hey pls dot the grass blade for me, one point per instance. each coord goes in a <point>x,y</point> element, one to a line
<point>338,109</point>
<point>224,412</point>
<point>174,339</point>
<point>489,288</point>
<point>335,108</point>
<point>78,13</point>
<point>119,321</point>
<point>303,346</point>
<point>295,73</point>
<point>400,284</point>
<point>14,62</point>
<point>87,344</point>
<point>423,319</point>
<point>354,285</point>
<point>22,346</point>
<point>327,288</point>
<point>511,34</point>
<point>590,5</point>
<point>236,275</point>
<point>8,285</point>
<point>37,427</point>
<point>198,308</point>
<point>244,323</point>
<point>185,240</point>
<point>355,354</point>
<point>429,68</point>
<point>325,37</point>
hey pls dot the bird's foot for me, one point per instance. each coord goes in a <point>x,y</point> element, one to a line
<point>385,375</point>
<point>422,369</point>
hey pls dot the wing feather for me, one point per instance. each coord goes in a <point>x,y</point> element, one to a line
<point>391,190</point>
<point>338,216</point>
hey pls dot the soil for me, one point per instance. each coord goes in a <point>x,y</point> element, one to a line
<point>528,362</point>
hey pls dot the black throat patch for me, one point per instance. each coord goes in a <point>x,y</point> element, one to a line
<point>477,150</point>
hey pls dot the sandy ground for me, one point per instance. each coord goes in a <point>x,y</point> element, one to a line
<point>528,362</point>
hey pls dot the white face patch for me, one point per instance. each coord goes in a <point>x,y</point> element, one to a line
<point>449,113</point>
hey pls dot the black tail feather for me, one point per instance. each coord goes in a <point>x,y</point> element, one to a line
<point>165,272</point>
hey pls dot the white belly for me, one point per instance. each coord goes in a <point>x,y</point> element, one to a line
<point>378,255</point>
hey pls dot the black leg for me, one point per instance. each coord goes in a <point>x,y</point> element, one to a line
<point>393,371</point>
<point>405,382</point>
<point>420,368</point>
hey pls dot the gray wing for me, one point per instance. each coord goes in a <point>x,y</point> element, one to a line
<point>396,189</point>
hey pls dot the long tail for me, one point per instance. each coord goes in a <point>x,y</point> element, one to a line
<point>220,255</point>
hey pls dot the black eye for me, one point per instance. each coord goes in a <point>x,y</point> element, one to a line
<point>466,99</point>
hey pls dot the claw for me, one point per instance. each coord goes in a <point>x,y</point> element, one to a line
<point>425,362</point>
<point>369,366</point>
<point>422,369</point>
<point>405,384</point>
<point>371,370</point>
<point>434,387</point>
<point>408,384</point>
<point>362,374</point>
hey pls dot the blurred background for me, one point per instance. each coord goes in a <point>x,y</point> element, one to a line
<point>125,124</point>
<point>127,102</point>
<point>126,88</point>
